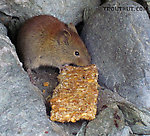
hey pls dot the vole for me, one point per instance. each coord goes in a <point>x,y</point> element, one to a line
<point>45,41</point>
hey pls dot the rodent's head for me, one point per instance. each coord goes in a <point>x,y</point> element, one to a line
<point>74,50</point>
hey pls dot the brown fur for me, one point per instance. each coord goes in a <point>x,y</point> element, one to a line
<point>45,41</point>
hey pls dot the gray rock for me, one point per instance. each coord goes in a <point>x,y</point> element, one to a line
<point>72,128</point>
<point>22,109</point>
<point>141,130</point>
<point>108,122</point>
<point>119,43</point>
<point>82,129</point>
<point>107,97</point>
<point>138,120</point>
<point>65,10</point>
<point>126,131</point>
<point>14,13</point>
<point>3,30</point>
<point>147,5</point>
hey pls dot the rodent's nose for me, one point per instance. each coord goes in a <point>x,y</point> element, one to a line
<point>85,61</point>
<point>88,62</point>
<point>88,59</point>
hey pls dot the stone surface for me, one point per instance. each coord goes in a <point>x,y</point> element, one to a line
<point>22,109</point>
<point>107,97</point>
<point>81,132</point>
<point>73,128</point>
<point>13,13</point>
<point>138,120</point>
<point>126,131</point>
<point>109,121</point>
<point>147,5</point>
<point>66,10</point>
<point>119,43</point>
<point>45,75</point>
<point>141,130</point>
<point>3,30</point>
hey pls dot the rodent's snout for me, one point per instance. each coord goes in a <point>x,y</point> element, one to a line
<point>84,61</point>
<point>79,62</point>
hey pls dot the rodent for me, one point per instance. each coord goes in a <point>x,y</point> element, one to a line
<point>45,41</point>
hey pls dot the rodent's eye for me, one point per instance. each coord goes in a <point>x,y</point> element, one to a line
<point>76,53</point>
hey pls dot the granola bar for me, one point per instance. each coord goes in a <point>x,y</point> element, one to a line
<point>76,95</point>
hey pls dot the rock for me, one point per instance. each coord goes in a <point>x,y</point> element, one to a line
<point>3,30</point>
<point>22,109</point>
<point>141,130</point>
<point>109,121</point>
<point>74,128</point>
<point>133,115</point>
<point>82,129</point>
<point>126,131</point>
<point>16,12</point>
<point>138,120</point>
<point>67,11</point>
<point>147,5</point>
<point>119,43</point>
<point>107,97</point>
<point>45,75</point>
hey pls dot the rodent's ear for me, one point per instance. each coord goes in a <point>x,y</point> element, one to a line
<point>63,37</point>
<point>72,27</point>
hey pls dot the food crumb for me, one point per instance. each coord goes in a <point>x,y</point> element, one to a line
<point>46,84</point>
<point>44,91</point>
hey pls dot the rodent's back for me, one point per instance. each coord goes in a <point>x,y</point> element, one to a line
<point>44,40</point>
